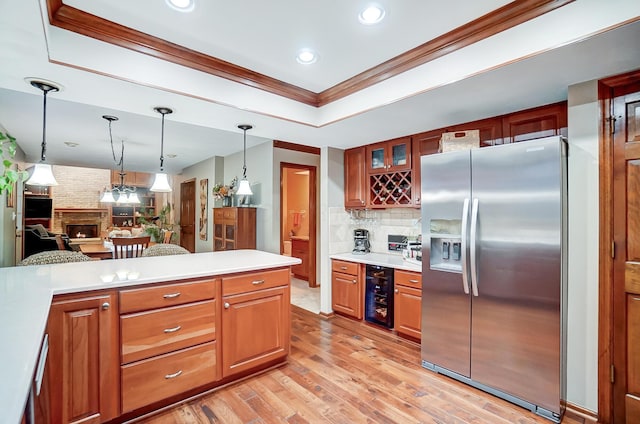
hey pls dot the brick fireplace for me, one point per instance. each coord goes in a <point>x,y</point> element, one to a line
<point>81,224</point>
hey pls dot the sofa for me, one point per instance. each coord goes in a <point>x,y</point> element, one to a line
<point>38,239</point>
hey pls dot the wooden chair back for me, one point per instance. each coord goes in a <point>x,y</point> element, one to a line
<point>129,247</point>
<point>167,236</point>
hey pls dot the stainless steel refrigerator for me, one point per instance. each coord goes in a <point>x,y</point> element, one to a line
<point>494,270</point>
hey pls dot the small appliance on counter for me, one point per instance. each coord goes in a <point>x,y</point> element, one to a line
<point>361,241</point>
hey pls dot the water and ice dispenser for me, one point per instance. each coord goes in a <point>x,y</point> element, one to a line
<point>446,245</point>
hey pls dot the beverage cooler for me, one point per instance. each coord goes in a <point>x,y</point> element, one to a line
<point>378,297</point>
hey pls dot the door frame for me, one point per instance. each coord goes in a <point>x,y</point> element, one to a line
<point>313,282</point>
<point>607,285</point>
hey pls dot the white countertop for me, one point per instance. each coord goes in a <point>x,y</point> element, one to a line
<point>382,259</point>
<point>26,293</point>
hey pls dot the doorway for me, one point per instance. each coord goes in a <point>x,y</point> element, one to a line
<point>188,215</point>
<point>619,315</point>
<point>298,218</point>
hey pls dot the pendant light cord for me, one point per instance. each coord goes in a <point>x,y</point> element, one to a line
<point>244,156</point>
<point>162,145</point>
<point>43,152</point>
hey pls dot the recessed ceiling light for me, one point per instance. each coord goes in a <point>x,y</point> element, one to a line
<point>182,5</point>
<point>71,144</point>
<point>371,15</point>
<point>306,57</point>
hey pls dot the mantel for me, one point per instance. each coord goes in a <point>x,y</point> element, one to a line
<point>101,211</point>
<point>81,210</point>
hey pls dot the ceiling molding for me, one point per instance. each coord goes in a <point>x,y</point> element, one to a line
<point>508,16</point>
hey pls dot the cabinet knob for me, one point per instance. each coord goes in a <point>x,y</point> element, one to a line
<point>226,305</point>
<point>354,281</point>
<point>105,306</point>
<point>396,291</point>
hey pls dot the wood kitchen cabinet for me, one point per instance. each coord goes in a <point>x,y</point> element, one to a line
<point>300,250</point>
<point>256,320</point>
<point>408,303</point>
<point>543,121</point>
<point>82,371</point>
<point>131,178</point>
<point>347,288</point>
<point>168,340</point>
<point>389,156</point>
<point>355,179</point>
<point>234,228</point>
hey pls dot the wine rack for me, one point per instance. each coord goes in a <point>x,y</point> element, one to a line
<point>388,190</point>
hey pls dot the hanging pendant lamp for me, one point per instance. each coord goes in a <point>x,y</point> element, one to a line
<point>125,194</point>
<point>42,174</point>
<point>244,189</point>
<point>161,182</point>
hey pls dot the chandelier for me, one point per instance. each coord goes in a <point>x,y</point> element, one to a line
<point>121,193</point>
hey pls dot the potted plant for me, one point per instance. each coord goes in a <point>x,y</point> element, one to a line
<point>7,152</point>
<point>157,225</point>
<point>224,192</point>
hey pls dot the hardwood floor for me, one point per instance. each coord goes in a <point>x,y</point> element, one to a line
<point>342,371</point>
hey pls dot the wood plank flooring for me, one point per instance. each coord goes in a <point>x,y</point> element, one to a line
<point>343,371</point>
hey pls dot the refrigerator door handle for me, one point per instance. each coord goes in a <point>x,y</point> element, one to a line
<point>472,250</point>
<point>463,246</point>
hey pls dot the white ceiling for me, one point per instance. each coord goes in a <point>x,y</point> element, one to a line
<point>526,66</point>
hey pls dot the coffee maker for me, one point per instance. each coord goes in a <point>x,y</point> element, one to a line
<point>361,241</point>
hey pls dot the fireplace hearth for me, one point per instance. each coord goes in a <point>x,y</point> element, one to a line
<point>82,230</point>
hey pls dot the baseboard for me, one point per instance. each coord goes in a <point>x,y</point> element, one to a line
<point>580,413</point>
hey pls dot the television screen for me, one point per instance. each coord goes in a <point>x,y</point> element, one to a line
<point>37,207</point>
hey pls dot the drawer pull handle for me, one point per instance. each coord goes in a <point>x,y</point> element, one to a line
<point>226,305</point>
<point>257,282</point>
<point>413,281</point>
<point>343,268</point>
<point>171,295</point>
<point>105,306</point>
<point>174,375</point>
<point>172,330</point>
<point>353,281</point>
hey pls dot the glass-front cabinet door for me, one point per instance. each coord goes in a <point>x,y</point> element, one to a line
<point>389,156</point>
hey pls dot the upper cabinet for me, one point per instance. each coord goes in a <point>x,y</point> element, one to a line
<point>137,179</point>
<point>389,156</point>
<point>355,190</point>
<point>544,121</point>
<point>392,176</point>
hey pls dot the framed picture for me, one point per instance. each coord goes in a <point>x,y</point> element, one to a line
<point>11,197</point>
<point>204,184</point>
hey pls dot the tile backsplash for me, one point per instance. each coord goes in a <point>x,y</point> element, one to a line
<point>380,223</point>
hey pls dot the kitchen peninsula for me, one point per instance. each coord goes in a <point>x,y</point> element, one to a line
<point>221,298</point>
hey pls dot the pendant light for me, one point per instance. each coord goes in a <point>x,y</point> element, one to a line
<point>125,194</point>
<point>42,174</point>
<point>161,183</point>
<point>244,189</point>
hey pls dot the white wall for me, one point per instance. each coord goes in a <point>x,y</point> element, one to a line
<point>211,169</point>
<point>331,198</point>
<point>260,172</point>
<point>9,218</point>
<point>582,334</point>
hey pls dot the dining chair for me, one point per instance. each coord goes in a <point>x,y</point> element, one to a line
<point>129,247</point>
<point>167,236</point>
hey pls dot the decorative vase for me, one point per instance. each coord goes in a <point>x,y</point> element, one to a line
<point>226,201</point>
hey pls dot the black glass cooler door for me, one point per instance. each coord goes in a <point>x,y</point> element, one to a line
<point>379,295</point>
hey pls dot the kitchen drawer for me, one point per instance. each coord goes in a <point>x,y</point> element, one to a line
<point>151,380</point>
<point>145,334</point>
<point>229,213</point>
<point>345,267</point>
<point>218,215</point>
<point>253,281</point>
<point>408,278</point>
<point>141,299</point>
